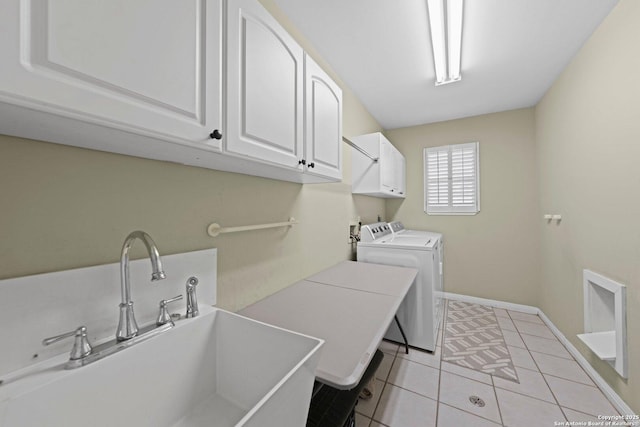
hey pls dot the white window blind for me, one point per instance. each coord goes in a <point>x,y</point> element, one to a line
<point>451,179</point>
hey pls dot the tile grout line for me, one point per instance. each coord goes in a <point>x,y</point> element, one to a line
<point>543,377</point>
<point>505,346</point>
<point>445,309</point>
<point>384,386</point>
<point>527,395</point>
<point>554,376</point>
<point>493,383</point>
<point>495,394</point>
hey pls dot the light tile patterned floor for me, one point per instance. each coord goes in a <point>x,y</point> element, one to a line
<point>420,390</point>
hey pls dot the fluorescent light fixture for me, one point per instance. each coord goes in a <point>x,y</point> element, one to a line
<point>445,22</point>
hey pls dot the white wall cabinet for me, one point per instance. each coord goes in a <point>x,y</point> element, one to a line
<point>145,79</point>
<point>282,108</point>
<point>323,123</point>
<point>265,78</point>
<point>151,67</point>
<point>400,166</point>
<point>384,178</point>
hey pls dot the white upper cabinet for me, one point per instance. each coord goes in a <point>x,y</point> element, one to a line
<point>151,67</point>
<point>265,79</point>
<point>382,178</point>
<point>145,78</point>
<point>282,108</point>
<point>323,123</point>
<point>387,164</point>
<point>401,173</point>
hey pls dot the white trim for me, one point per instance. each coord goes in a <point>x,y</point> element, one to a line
<point>454,213</point>
<point>609,392</point>
<point>451,208</point>
<point>618,319</point>
<point>493,303</point>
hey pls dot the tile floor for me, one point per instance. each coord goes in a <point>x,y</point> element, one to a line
<point>420,390</point>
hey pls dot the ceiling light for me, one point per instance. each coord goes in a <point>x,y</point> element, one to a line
<point>445,22</point>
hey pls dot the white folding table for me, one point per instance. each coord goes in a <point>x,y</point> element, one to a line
<point>349,305</point>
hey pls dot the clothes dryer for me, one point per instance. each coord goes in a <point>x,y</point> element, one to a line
<point>398,229</point>
<point>419,313</point>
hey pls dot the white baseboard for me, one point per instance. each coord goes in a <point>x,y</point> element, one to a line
<point>613,397</point>
<point>493,303</point>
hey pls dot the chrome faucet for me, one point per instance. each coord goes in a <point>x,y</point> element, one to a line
<point>127,326</point>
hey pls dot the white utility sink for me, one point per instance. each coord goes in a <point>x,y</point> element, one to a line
<point>218,369</point>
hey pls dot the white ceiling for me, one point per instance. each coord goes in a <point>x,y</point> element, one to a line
<point>512,51</point>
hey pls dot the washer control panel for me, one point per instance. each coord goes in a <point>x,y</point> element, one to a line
<point>375,231</point>
<point>396,226</point>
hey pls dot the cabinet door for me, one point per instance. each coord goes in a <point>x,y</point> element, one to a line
<point>323,120</point>
<point>400,173</point>
<point>264,87</point>
<point>387,166</point>
<point>152,67</point>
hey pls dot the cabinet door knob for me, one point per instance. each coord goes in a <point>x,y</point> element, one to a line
<point>302,162</point>
<point>215,134</point>
<point>312,165</point>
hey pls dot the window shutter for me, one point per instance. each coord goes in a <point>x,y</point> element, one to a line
<point>437,161</point>
<point>451,179</point>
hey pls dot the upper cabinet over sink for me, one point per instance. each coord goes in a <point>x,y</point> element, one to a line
<point>146,79</point>
<point>151,67</point>
<point>265,78</point>
<point>282,107</point>
<point>323,119</point>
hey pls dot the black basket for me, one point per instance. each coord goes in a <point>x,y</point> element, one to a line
<point>331,407</point>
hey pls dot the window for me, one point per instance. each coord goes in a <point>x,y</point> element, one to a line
<point>452,180</point>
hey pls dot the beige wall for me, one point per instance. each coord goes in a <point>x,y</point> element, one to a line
<point>588,133</point>
<point>65,207</point>
<point>494,254</point>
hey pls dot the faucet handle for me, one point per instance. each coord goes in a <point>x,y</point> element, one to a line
<point>164,316</point>
<point>81,347</point>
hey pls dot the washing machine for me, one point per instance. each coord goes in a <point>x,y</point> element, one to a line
<point>419,313</point>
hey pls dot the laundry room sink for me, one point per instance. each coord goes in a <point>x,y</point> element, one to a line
<point>218,369</point>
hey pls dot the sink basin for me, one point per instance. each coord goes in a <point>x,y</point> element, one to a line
<point>219,369</point>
